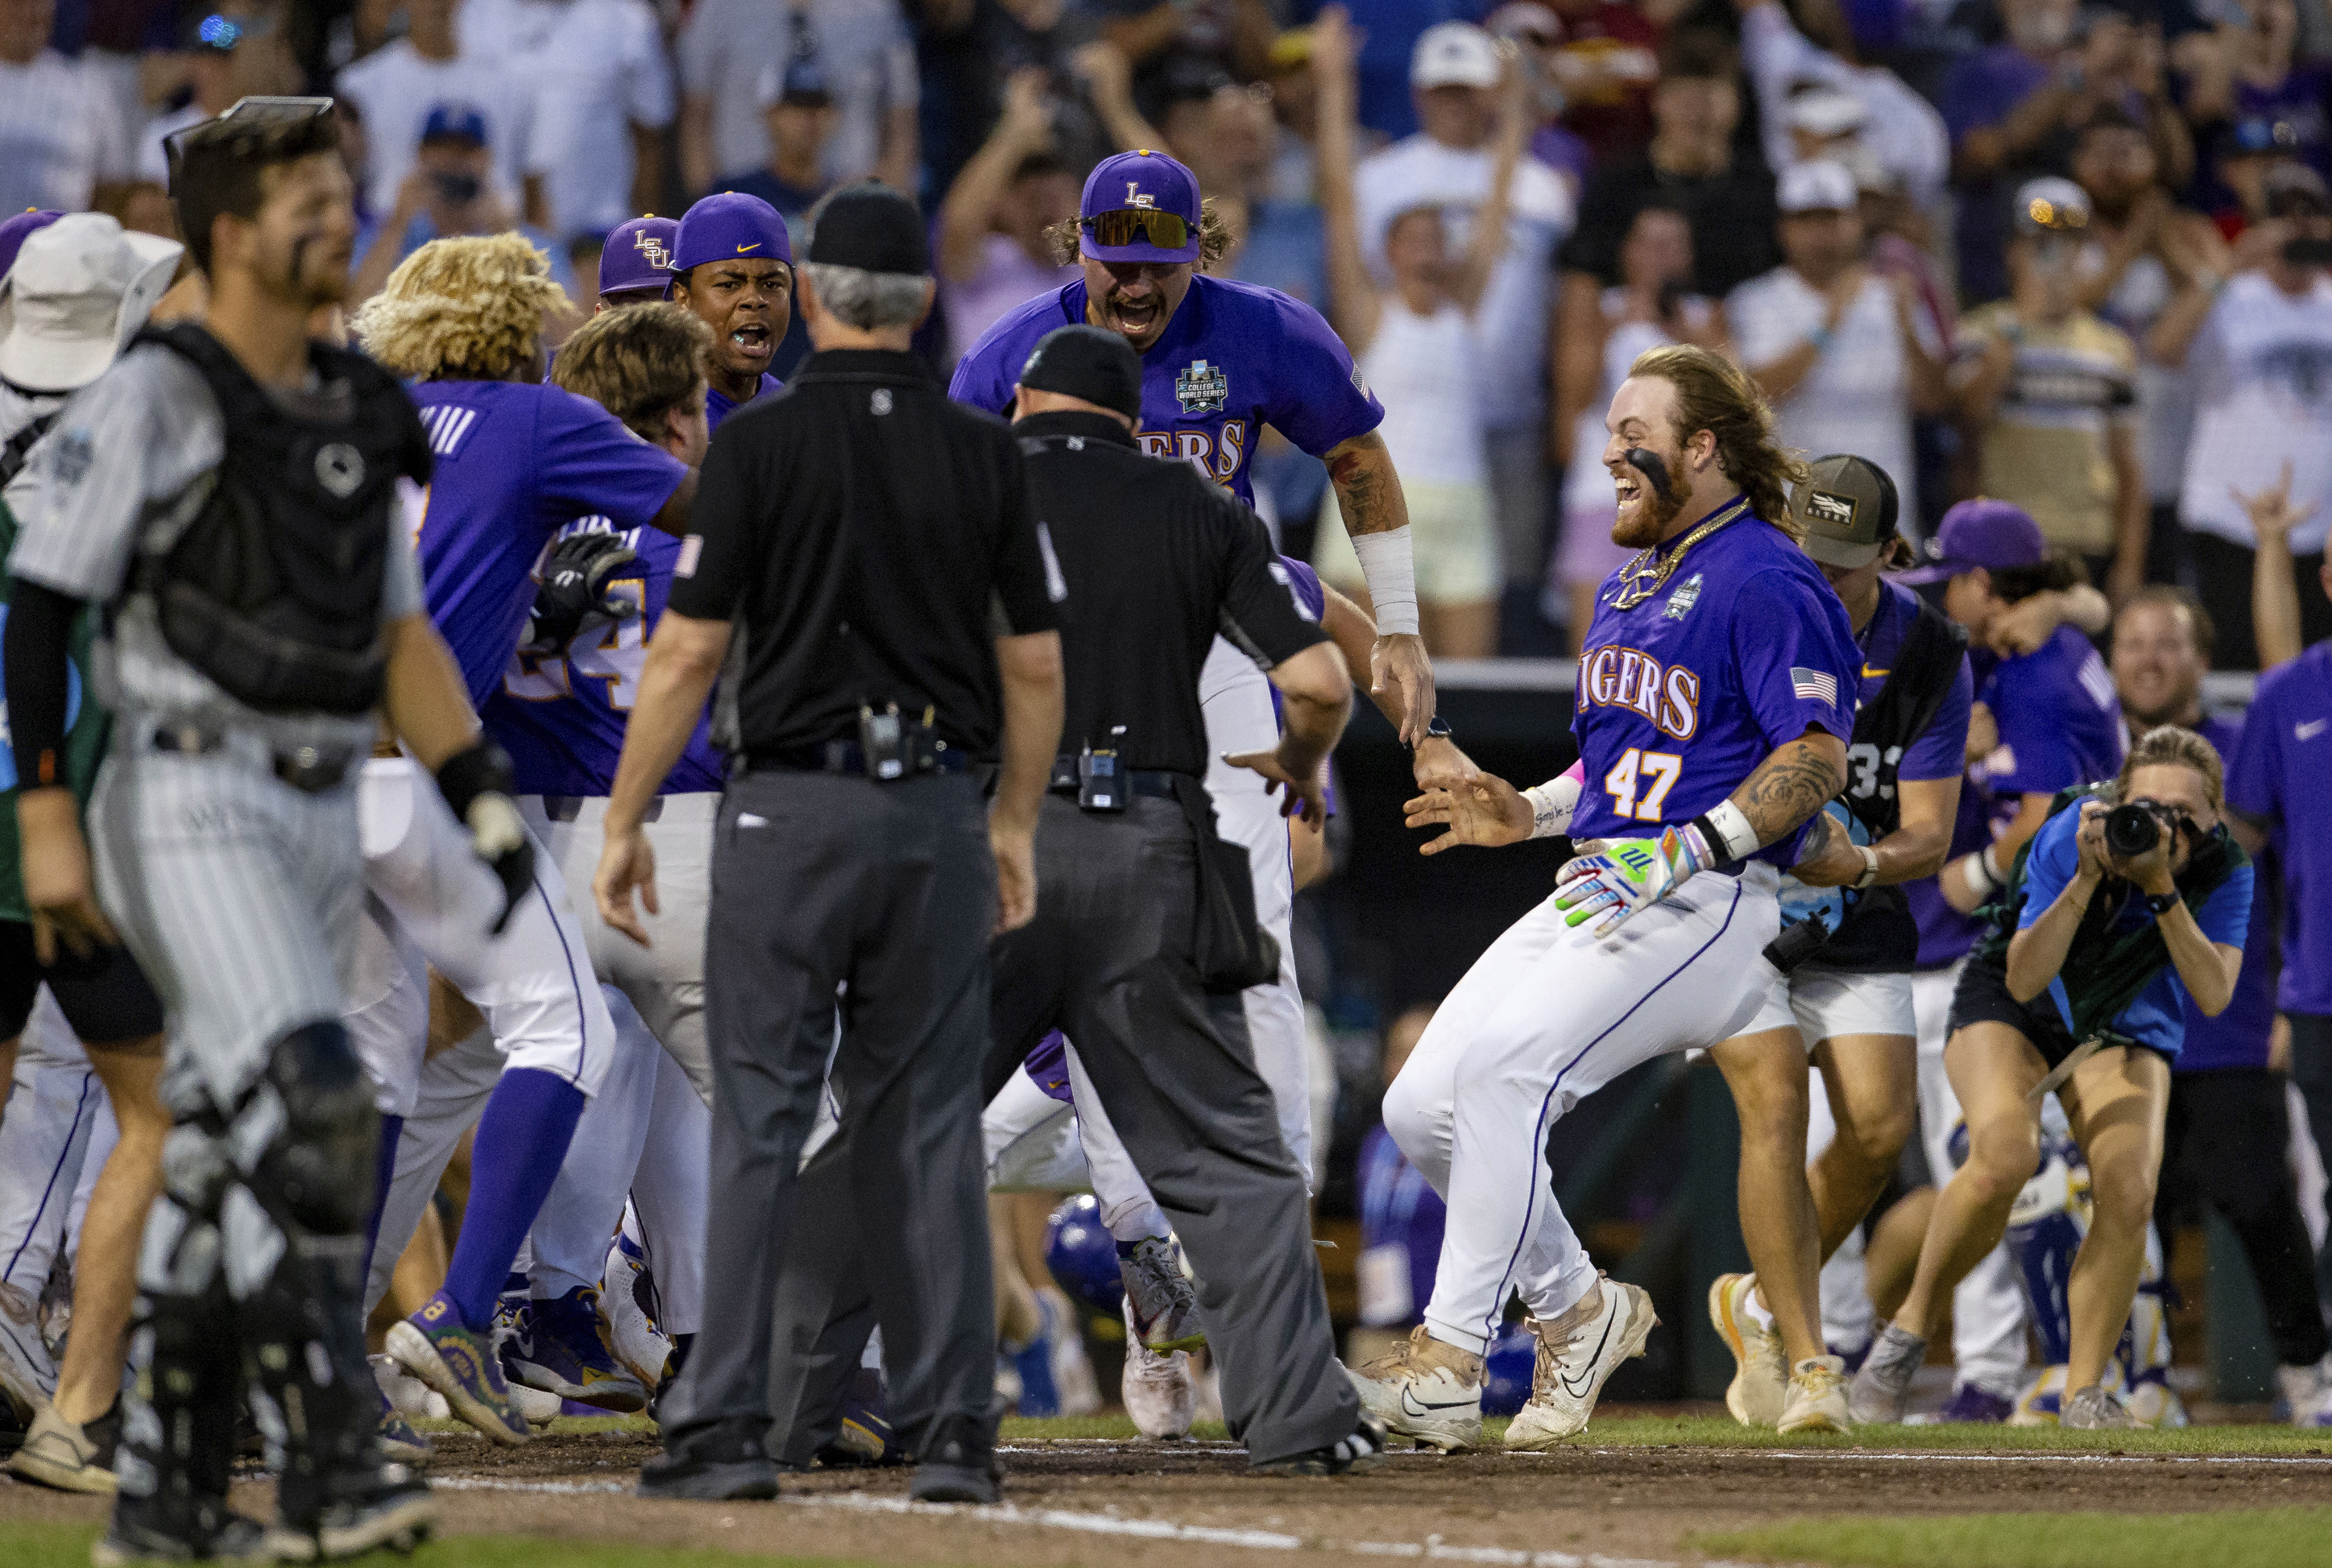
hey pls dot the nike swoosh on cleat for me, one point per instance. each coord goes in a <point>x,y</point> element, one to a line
<point>1410,1405</point>
<point>1589,1381</point>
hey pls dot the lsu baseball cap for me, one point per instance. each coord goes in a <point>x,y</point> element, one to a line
<point>1848,507</point>
<point>726,224</point>
<point>637,258</point>
<point>1139,207</point>
<point>1817,185</point>
<point>80,289</point>
<point>1996,535</point>
<point>2052,206</point>
<point>1454,55</point>
<point>17,230</point>
<point>1087,362</point>
<point>454,122</point>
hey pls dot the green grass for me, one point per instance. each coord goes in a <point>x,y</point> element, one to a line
<point>2262,1538</point>
<point>30,1545</point>
<point>1722,1432</point>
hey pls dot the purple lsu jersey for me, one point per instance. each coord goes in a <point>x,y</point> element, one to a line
<point>1740,651</point>
<point>561,716</point>
<point>1234,358</point>
<point>719,404</point>
<point>516,461</point>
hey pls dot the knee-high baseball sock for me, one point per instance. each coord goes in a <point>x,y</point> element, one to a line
<point>392,1128</point>
<point>521,1141</point>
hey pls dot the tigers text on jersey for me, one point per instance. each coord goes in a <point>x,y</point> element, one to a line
<point>561,716</point>
<point>1234,358</point>
<point>516,461</point>
<point>1738,653</point>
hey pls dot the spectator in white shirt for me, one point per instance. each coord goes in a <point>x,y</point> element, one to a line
<point>1454,77</point>
<point>60,132</point>
<point>597,88</point>
<point>1843,352</point>
<point>1900,131</point>
<point>862,48</point>
<point>438,61</point>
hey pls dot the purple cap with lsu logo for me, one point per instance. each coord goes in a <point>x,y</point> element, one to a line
<point>726,224</point>
<point>1138,183</point>
<point>637,258</point>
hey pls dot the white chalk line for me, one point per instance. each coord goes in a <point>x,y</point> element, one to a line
<point>1433,1548</point>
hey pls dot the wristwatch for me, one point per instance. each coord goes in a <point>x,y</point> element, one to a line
<point>1869,869</point>
<point>1439,730</point>
<point>2161,904</point>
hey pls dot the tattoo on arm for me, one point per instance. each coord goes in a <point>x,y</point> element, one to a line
<point>1788,788</point>
<point>1368,492</point>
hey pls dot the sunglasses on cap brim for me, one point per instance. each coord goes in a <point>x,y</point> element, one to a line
<point>1136,226</point>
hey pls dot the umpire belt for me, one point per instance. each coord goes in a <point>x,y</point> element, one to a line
<point>1157,782</point>
<point>310,769</point>
<point>841,756</point>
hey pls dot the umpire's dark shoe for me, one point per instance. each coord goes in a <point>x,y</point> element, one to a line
<point>1360,1451</point>
<point>212,1535</point>
<point>392,1507</point>
<point>962,1466</point>
<point>719,1464</point>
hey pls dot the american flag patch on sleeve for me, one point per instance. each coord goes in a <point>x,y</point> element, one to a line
<point>1813,685</point>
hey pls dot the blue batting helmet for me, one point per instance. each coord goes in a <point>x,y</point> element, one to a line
<point>1083,1256</point>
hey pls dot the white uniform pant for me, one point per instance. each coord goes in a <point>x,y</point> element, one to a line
<point>1987,1309</point>
<point>1547,1016</point>
<point>429,898</point>
<point>54,1105</point>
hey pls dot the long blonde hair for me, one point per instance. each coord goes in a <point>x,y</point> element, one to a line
<point>467,308</point>
<point>1715,395</point>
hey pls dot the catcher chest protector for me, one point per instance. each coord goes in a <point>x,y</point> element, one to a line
<point>274,590</point>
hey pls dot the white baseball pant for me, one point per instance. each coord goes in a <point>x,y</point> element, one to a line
<point>1987,1308</point>
<point>1031,1140</point>
<point>430,898</point>
<point>1547,1016</point>
<point>450,1095</point>
<point>54,1104</point>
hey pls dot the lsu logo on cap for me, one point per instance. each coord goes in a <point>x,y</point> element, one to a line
<point>1203,388</point>
<point>1828,507</point>
<point>657,254</point>
<point>1135,196</point>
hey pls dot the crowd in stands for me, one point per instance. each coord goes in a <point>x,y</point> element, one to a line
<point>2074,256</point>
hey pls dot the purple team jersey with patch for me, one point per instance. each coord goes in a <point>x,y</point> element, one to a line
<point>1742,650</point>
<point>1234,358</point>
<point>2059,725</point>
<point>561,717</point>
<point>719,404</point>
<point>516,461</point>
<point>2238,1036</point>
<point>2278,778</point>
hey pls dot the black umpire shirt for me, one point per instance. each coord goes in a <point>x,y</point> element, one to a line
<point>1157,560</point>
<point>870,539</point>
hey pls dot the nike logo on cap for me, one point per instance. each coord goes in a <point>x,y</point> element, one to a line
<point>754,246</point>
<point>2310,731</point>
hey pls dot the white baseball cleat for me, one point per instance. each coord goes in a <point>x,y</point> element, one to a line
<point>1159,1392</point>
<point>1576,1352</point>
<point>1817,1397</point>
<point>1426,1390</point>
<point>627,1292</point>
<point>1760,1376</point>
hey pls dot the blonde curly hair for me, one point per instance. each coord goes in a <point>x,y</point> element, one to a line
<point>467,308</point>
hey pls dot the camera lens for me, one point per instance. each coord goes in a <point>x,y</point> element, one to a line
<point>2131,830</point>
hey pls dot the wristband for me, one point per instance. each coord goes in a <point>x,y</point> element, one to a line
<point>1388,566</point>
<point>1992,866</point>
<point>480,767</point>
<point>1552,805</point>
<point>1869,867</point>
<point>1728,833</point>
<point>1977,880</point>
<point>2161,904</point>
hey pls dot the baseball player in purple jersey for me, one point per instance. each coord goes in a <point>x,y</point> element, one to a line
<point>515,461</point>
<point>1716,690</point>
<point>1220,360</point>
<point>636,263</point>
<point>733,267</point>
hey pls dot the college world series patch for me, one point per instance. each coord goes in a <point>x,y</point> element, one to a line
<point>1203,388</point>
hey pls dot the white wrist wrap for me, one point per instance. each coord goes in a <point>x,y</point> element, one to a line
<point>1551,804</point>
<point>1977,880</point>
<point>1389,564</point>
<point>1734,836</point>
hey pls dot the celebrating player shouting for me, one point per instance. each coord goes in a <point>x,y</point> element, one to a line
<point>1715,696</point>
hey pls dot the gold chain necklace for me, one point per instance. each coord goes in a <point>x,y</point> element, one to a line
<point>1645,574</point>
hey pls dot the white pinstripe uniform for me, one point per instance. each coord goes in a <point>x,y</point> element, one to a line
<point>60,132</point>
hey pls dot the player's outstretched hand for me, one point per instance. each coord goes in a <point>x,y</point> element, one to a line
<point>1615,877</point>
<point>1398,663</point>
<point>1483,810</point>
<point>1306,797</point>
<point>574,579</point>
<point>626,861</point>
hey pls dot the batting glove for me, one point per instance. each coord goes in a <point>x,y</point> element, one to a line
<point>476,782</point>
<point>574,585</point>
<point>1624,875</point>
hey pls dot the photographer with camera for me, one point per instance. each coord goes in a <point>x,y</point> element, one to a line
<point>2131,898</point>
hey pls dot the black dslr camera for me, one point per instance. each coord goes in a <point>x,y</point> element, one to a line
<point>2136,826</point>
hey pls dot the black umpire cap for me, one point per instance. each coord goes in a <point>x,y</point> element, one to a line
<point>872,228</point>
<point>1848,507</point>
<point>1087,362</point>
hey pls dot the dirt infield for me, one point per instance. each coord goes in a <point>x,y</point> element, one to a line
<point>1136,1504</point>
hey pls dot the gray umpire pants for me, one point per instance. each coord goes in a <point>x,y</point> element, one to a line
<point>822,882</point>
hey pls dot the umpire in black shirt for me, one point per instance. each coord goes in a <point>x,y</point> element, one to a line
<point>1143,918</point>
<point>867,567</point>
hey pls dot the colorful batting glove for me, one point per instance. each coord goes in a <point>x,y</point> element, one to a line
<point>1624,875</point>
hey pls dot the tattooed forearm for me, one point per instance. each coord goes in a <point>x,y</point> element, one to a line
<point>1790,784</point>
<point>1368,490</point>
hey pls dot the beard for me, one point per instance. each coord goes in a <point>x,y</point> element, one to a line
<point>1643,527</point>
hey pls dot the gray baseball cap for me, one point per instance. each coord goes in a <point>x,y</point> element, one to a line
<point>1847,506</point>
